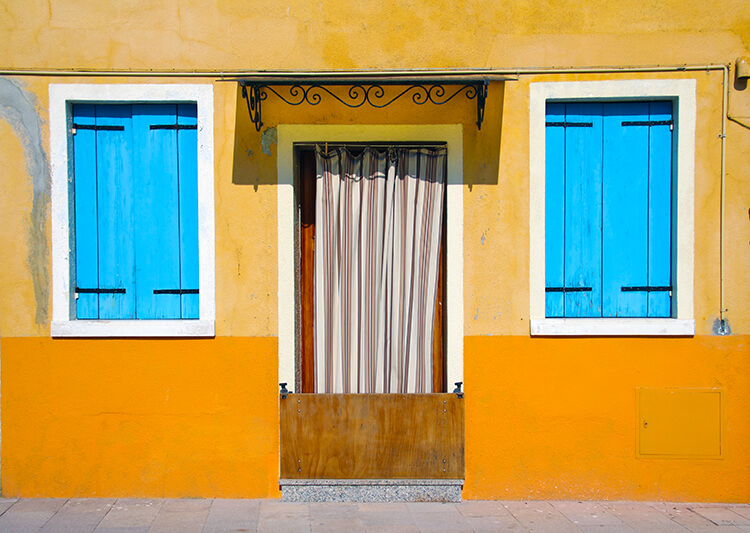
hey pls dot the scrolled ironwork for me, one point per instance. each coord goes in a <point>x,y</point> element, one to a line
<point>254,95</point>
<point>481,96</point>
<point>359,94</point>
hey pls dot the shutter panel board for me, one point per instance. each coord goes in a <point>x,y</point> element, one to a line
<point>625,214</point>
<point>554,210</point>
<point>115,211</point>
<point>157,217</point>
<point>187,144</point>
<point>583,168</point>
<point>660,210</point>
<point>86,239</point>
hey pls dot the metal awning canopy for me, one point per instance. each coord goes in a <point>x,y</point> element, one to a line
<point>366,88</point>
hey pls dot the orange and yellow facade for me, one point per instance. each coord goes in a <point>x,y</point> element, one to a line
<point>547,416</point>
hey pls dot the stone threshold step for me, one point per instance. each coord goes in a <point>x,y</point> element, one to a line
<point>371,490</point>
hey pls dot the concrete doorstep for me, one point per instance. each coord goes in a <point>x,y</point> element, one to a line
<point>214,516</point>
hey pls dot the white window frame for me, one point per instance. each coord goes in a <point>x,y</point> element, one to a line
<point>61,99</point>
<point>452,135</point>
<point>682,93</point>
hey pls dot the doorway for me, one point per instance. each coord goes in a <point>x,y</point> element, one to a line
<point>376,212</point>
<point>290,135</point>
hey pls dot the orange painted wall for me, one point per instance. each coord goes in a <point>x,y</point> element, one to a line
<point>157,418</point>
<point>556,418</point>
<point>545,418</point>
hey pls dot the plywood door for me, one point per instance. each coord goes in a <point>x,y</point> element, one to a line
<point>372,436</point>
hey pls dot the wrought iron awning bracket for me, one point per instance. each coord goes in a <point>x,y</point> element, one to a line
<point>253,98</point>
<point>362,91</point>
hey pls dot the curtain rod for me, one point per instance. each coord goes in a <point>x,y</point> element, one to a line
<point>364,144</point>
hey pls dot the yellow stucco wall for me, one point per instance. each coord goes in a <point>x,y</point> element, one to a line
<point>546,418</point>
<point>235,34</point>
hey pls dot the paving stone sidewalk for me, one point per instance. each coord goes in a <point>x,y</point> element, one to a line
<point>213,516</point>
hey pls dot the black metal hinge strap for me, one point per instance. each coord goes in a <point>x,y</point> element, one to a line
<point>174,127</point>
<point>98,128</point>
<point>571,124</point>
<point>647,123</point>
<point>175,291</point>
<point>80,290</point>
<point>568,289</point>
<point>647,289</point>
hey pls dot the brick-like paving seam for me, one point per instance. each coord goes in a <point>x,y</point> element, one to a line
<point>100,515</point>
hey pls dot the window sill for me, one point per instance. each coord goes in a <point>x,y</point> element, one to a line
<point>132,328</point>
<point>560,327</point>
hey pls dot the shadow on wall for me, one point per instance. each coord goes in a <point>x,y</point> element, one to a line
<point>255,151</point>
<point>482,148</point>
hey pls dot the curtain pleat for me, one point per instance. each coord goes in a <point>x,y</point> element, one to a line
<point>378,228</point>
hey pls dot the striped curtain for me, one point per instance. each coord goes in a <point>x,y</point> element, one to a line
<point>378,224</point>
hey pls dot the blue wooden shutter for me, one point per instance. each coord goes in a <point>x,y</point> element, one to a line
<point>114,163</point>
<point>136,197</point>
<point>103,185</point>
<point>660,209</point>
<point>638,209</point>
<point>608,209</point>
<point>554,210</point>
<point>187,143</point>
<point>573,209</point>
<point>625,199</point>
<point>157,208</point>
<point>86,234</point>
<point>583,167</point>
<point>167,205</point>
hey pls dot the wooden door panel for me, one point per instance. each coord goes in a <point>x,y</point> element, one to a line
<point>372,436</point>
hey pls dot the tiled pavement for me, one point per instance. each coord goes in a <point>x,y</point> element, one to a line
<point>185,516</point>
